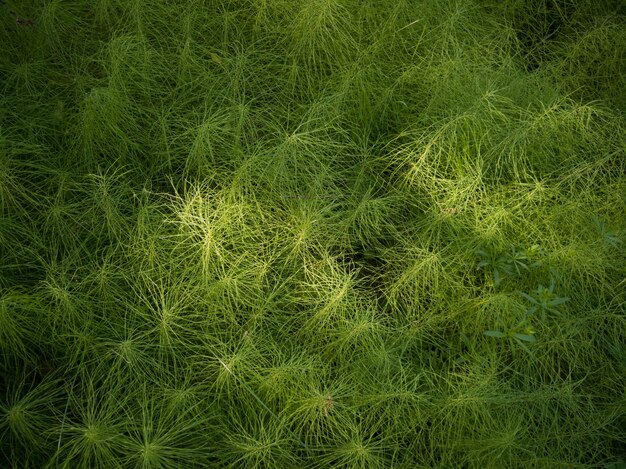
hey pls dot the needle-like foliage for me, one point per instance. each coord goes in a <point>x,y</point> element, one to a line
<point>312,233</point>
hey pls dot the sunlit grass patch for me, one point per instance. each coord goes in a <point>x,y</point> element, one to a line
<point>328,233</point>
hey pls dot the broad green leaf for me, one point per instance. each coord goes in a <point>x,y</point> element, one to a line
<point>558,301</point>
<point>496,277</point>
<point>525,337</point>
<point>498,334</point>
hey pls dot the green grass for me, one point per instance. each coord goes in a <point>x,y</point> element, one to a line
<point>327,234</point>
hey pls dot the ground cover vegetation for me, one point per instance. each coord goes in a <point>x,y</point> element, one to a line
<point>313,233</point>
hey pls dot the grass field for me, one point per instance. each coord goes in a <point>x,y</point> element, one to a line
<point>313,234</point>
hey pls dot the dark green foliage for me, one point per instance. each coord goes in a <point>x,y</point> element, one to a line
<point>312,233</point>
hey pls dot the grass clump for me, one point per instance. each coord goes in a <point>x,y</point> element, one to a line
<point>312,234</point>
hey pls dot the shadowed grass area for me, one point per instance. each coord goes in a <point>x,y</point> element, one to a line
<point>326,234</point>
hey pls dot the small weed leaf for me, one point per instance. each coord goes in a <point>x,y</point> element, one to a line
<point>525,337</point>
<point>616,465</point>
<point>498,334</point>
<point>607,235</point>
<point>512,263</point>
<point>544,300</point>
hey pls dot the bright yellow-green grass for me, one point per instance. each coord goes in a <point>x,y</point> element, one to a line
<point>313,234</point>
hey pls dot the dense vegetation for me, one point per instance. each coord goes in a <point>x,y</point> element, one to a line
<point>312,233</point>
